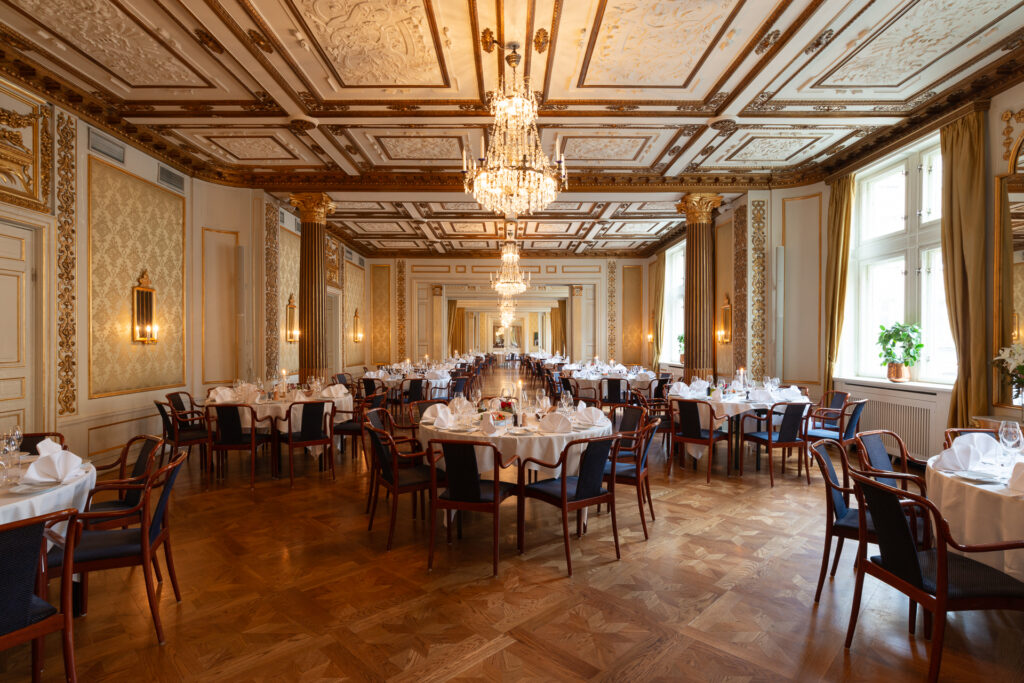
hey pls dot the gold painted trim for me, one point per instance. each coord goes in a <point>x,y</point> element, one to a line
<point>89,431</point>
<point>429,269</point>
<point>67,264</point>
<point>202,290</point>
<point>19,414</point>
<point>19,276</point>
<point>581,269</point>
<point>385,269</point>
<point>22,257</point>
<point>184,280</point>
<point>817,196</point>
<point>994,330</point>
<point>21,395</point>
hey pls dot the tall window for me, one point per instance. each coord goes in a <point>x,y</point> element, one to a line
<point>674,302</point>
<point>895,272</point>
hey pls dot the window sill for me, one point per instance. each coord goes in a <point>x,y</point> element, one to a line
<point>880,383</point>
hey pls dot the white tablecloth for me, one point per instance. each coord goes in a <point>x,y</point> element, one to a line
<point>980,513</point>
<point>396,383</point>
<point>71,494</point>
<point>726,408</point>
<point>279,409</point>
<point>539,445</point>
<point>640,383</point>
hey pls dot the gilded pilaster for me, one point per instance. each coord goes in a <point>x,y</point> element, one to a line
<point>67,266</point>
<point>272,333</point>
<point>699,317</point>
<point>314,207</point>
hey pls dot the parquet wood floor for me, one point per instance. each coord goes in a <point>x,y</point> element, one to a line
<point>287,584</point>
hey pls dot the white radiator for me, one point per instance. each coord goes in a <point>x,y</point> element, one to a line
<point>917,414</point>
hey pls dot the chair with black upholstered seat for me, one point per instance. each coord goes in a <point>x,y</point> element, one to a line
<point>416,411</point>
<point>412,389</point>
<point>178,434</point>
<point>147,451</point>
<point>137,546</point>
<point>938,580</point>
<point>464,490</point>
<point>227,433</point>
<point>950,434</point>
<point>686,419</point>
<point>25,613</point>
<point>789,435</point>
<point>372,386</point>
<point>352,423</point>
<point>344,379</point>
<point>185,408</point>
<point>631,467</point>
<point>658,410</point>
<point>308,424</point>
<point>586,394</point>
<point>390,474</point>
<point>573,492</point>
<point>874,457</point>
<point>30,441</point>
<point>614,394</point>
<point>845,426</point>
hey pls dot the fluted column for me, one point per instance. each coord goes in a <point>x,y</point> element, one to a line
<point>699,318</point>
<point>314,207</point>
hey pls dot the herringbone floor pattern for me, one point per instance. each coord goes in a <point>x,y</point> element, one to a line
<point>287,584</point>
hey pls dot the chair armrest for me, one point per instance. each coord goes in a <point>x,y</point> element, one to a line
<point>511,461</point>
<point>550,466</point>
<point>113,486</point>
<point>413,454</point>
<point>987,547</point>
<point>825,414</point>
<point>751,416</point>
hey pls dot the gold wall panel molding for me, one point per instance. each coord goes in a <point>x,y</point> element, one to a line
<point>26,149</point>
<point>793,258</point>
<point>579,270</point>
<point>354,292</point>
<point>739,288</point>
<point>400,306</point>
<point>333,263</point>
<point>380,304</point>
<point>288,273</point>
<point>12,388</point>
<point>67,265</point>
<point>632,315</point>
<point>224,288</point>
<point>612,308</point>
<point>134,225</point>
<point>758,287</point>
<point>272,331</point>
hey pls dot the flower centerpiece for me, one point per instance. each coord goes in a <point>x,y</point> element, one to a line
<point>1011,362</point>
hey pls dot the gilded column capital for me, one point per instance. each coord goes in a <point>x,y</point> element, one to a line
<point>698,206</point>
<point>314,207</point>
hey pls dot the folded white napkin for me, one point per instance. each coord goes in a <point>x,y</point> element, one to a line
<point>555,423</point>
<point>494,404</point>
<point>223,395</point>
<point>1016,482</point>
<point>761,396</point>
<point>334,391</point>
<point>645,373</point>
<point>678,389</point>
<point>372,374</point>
<point>620,368</point>
<point>488,427</point>
<point>967,451</point>
<point>54,468</point>
<point>432,411</point>
<point>460,405</point>
<point>790,394</point>
<point>699,385</point>
<point>579,374</point>
<point>444,418</point>
<point>48,447</point>
<point>590,417</point>
<point>434,374</point>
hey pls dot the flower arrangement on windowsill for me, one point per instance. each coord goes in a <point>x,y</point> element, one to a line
<point>682,349</point>
<point>1010,360</point>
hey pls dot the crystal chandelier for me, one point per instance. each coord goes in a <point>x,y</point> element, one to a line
<point>513,176</point>
<point>510,279</point>
<point>507,311</point>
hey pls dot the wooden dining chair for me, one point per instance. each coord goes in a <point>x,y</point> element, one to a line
<point>789,436</point>
<point>951,434</point>
<point>613,394</point>
<point>180,434</point>
<point>659,410</point>
<point>630,467</point>
<point>185,408</point>
<point>464,490</point>
<point>30,441</point>
<point>314,428</point>
<point>224,425</point>
<point>25,613</point>
<point>874,457</point>
<point>827,413</point>
<point>845,427</point>
<point>687,429</point>
<point>147,451</point>
<point>392,476</point>
<point>416,411</point>
<point>573,492</point>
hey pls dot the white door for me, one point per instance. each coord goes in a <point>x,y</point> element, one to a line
<point>18,319</point>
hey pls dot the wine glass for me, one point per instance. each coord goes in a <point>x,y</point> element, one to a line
<point>1010,439</point>
<point>17,437</point>
<point>477,396</point>
<point>540,393</point>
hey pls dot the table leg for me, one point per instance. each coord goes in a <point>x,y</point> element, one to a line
<point>76,596</point>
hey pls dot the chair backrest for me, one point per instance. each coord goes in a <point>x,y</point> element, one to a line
<point>461,471</point>
<point>612,390</point>
<point>838,400</point>
<point>895,539</point>
<point>417,409</point>
<point>148,447</point>
<point>311,419</point>
<point>414,390</point>
<point>646,438</point>
<point>229,422</point>
<point>458,385</point>
<point>162,481</point>
<point>379,419</point>
<point>822,453</point>
<point>853,410</point>
<point>873,452</point>
<point>20,544</point>
<point>177,400</point>
<point>632,418</point>
<point>566,385</point>
<point>30,440</point>
<point>369,385</point>
<point>165,418</point>
<point>343,378</point>
<point>689,418</point>
<point>951,434</point>
<point>384,456</point>
<point>792,419</point>
<point>592,462</point>
<point>375,400</point>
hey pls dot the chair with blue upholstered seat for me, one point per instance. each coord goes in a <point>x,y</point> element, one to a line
<point>846,425</point>
<point>147,450</point>
<point>25,613</point>
<point>390,474</point>
<point>685,418</point>
<point>308,424</point>
<point>630,467</point>
<point>227,433</point>
<point>826,414</point>
<point>573,492</point>
<point>789,435</point>
<point>874,458</point>
<point>137,546</point>
<point>464,489</point>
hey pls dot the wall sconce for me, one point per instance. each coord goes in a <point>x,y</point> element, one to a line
<point>357,330</point>
<point>291,330</point>
<point>144,328</point>
<point>650,337</point>
<point>725,334</point>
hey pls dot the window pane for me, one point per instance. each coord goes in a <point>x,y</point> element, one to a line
<point>931,186</point>
<point>881,303</point>
<point>938,357</point>
<point>675,300</point>
<point>883,204</point>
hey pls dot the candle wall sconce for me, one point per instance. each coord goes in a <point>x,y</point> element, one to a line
<point>144,327</point>
<point>357,328</point>
<point>291,331</point>
<point>725,334</point>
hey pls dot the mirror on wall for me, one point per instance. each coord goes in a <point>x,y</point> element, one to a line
<point>1008,287</point>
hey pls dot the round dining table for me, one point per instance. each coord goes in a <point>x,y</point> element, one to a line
<point>279,409</point>
<point>635,382</point>
<point>18,502</point>
<point>980,512</point>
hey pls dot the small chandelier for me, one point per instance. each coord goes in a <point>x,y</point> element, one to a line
<point>514,176</point>
<point>507,311</point>
<point>510,279</point>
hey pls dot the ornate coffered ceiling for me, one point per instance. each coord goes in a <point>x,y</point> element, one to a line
<point>378,99</point>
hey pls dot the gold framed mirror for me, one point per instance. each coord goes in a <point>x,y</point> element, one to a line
<point>1008,270</point>
<point>144,327</point>
<point>291,317</point>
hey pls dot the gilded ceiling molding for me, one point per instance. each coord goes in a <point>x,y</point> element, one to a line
<point>613,270</point>
<point>271,333</point>
<point>758,289</point>
<point>1009,117</point>
<point>400,305</point>
<point>67,266</point>
<point>739,288</point>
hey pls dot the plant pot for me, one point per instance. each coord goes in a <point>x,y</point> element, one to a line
<point>682,359</point>
<point>898,372</point>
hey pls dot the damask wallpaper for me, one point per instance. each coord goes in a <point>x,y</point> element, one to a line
<point>380,301</point>
<point>355,287</point>
<point>134,226</point>
<point>288,284</point>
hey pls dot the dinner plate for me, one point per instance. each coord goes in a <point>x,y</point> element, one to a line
<point>518,431</point>
<point>460,430</point>
<point>978,477</point>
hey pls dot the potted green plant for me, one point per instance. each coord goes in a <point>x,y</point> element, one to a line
<point>682,349</point>
<point>901,346</point>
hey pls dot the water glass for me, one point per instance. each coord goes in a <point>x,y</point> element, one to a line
<point>1010,439</point>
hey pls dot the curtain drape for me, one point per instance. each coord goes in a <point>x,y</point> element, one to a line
<point>963,260</point>
<point>840,213</point>
<point>458,335</point>
<point>1004,305</point>
<point>452,346</point>
<point>557,328</point>
<point>656,273</point>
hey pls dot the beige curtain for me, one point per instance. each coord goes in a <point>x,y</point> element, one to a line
<point>963,260</point>
<point>1004,307</point>
<point>840,212</point>
<point>558,328</point>
<point>452,346</point>
<point>457,338</point>
<point>656,277</point>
